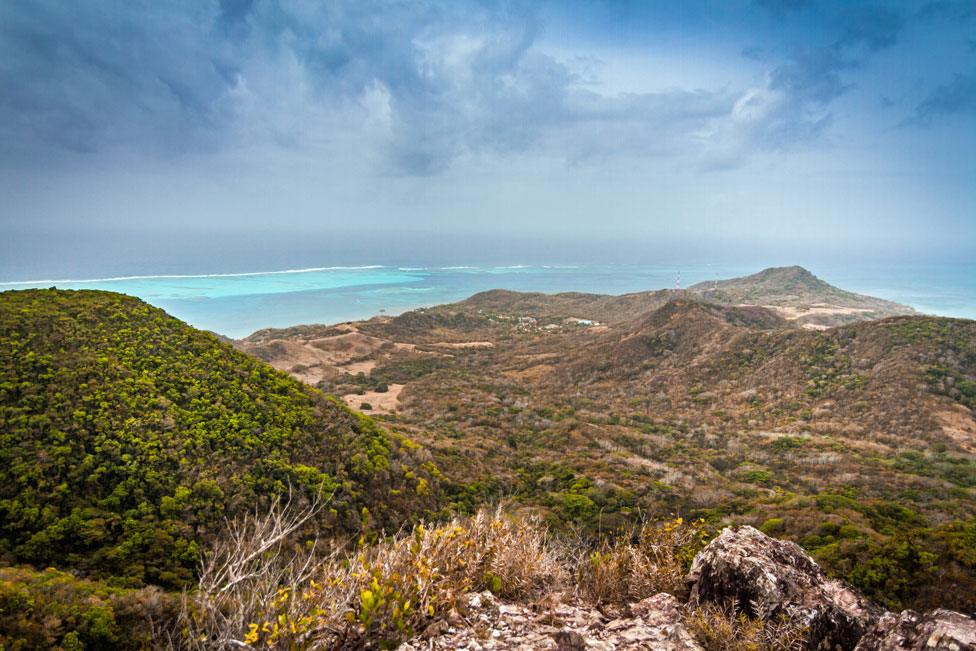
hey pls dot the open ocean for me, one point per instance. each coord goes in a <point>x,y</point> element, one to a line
<point>237,304</point>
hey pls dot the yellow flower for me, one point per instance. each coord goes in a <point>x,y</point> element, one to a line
<point>252,635</point>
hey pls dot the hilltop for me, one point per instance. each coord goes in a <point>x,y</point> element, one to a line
<point>325,353</point>
<point>799,295</point>
<point>317,353</point>
<point>127,438</point>
<point>793,292</point>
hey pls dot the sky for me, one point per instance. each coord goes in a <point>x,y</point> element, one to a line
<point>227,135</point>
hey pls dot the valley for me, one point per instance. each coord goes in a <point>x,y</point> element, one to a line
<point>849,429</point>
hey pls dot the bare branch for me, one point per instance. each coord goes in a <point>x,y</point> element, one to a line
<point>248,569</point>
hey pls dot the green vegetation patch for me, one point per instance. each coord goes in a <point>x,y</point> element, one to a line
<point>126,437</point>
<point>960,471</point>
<point>828,369</point>
<point>51,609</point>
<point>951,382</point>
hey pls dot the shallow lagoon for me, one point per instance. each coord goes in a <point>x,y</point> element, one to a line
<point>238,304</point>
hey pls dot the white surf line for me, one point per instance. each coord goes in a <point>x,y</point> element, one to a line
<point>188,276</point>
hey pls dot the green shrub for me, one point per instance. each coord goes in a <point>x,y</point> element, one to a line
<point>573,506</point>
<point>756,476</point>
<point>772,526</point>
<point>787,443</point>
<point>49,609</point>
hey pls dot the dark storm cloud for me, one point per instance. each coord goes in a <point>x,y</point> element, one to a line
<point>874,27</point>
<point>86,76</point>
<point>812,76</point>
<point>418,85</point>
<point>576,116</point>
<point>448,79</point>
<point>958,97</point>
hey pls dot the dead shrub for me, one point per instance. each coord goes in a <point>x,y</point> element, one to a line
<point>629,570</point>
<point>729,628</point>
<point>253,571</point>
<point>376,596</point>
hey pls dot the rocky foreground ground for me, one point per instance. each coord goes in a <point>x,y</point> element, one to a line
<point>769,579</point>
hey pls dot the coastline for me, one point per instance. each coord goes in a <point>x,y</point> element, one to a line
<point>236,304</point>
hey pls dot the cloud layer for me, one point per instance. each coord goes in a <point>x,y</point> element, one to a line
<point>420,84</point>
<point>788,118</point>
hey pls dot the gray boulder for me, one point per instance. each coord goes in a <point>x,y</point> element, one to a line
<point>939,630</point>
<point>770,578</point>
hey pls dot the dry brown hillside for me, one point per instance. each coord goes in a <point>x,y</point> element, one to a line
<point>858,441</point>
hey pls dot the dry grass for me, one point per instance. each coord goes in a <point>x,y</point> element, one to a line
<point>258,591</point>
<point>376,597</point>
<point>728,628</point>
<point>657,561</point>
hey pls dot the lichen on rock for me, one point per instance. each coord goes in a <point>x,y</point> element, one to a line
<point>769,578</point>
<point>939,630</point>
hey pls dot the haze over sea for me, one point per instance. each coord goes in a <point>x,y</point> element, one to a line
<point>236,304</point>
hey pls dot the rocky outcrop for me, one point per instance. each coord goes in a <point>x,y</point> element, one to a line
<point>770,578</point>
<point>939,630</point>
<point>655,623</point>
<point>661,625</point>
<point>767,578</point>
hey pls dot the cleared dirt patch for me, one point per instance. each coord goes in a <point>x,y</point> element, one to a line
<point>314,359</point>
<point>959,425</point>
<point>381,403</point>
<point>365,366</point>
<point>792,313</point>
<point>532,373</point>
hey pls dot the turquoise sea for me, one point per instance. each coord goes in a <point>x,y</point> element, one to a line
<point>240,303</point>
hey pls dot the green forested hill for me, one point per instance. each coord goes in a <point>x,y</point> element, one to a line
<point>127,436</point>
